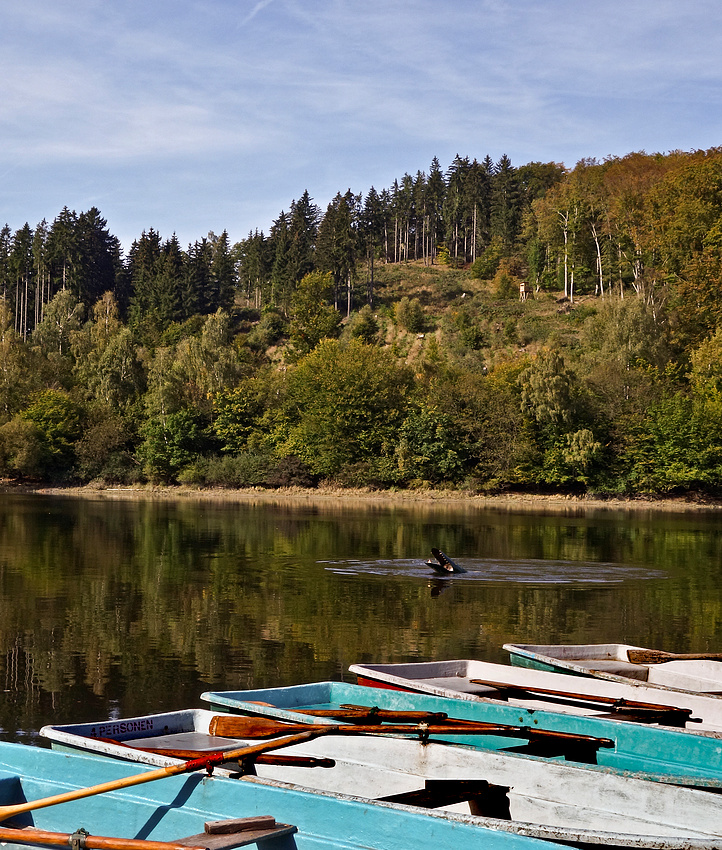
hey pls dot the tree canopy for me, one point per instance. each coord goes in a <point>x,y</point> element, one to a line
<point>490,325</point>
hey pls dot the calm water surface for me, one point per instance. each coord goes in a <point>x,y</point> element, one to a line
<point>114,608</point>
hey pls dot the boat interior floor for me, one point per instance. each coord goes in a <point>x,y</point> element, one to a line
<point>483,797</point>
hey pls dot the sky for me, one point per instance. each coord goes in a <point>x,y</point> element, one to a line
<point>191,116</point>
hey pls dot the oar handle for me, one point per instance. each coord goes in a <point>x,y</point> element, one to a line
<point>206,762</point>
<point>531,690</point>
<point>42,837</point>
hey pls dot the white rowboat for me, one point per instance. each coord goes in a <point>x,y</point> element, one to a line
<point>620,698</point>
<point>591,807</point>
<point>620,662</point>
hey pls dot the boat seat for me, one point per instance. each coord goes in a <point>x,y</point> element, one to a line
<point>614,666</point>
<point>484,798</point>
<point>239,832</point>
<point>201,742</point>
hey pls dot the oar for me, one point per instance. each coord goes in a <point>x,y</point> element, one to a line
<point>245,830</point>
<point>616,703</point>
<point>373,714</point>
<point>265,758</point>
<point>233,726</point>
<point>202,763</point>
<point>35,837</point>
<point>261,758</point>
<point>655,656</point>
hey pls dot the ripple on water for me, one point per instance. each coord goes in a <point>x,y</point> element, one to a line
<point>522,570</point>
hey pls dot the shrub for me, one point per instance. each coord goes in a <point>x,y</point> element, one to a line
<point>409,314</point>
<point>485,266</point>
<point>267,332</point>
<point>364,326</point>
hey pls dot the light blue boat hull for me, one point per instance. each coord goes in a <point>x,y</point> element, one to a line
<point>676,756</point>
<point>176,806</point>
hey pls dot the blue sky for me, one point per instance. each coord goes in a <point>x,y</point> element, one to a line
<point>196,116</point>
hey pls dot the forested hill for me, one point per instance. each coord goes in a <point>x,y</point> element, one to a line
<point>486,327</point>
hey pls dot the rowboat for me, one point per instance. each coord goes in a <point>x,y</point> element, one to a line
<point>170,813</point>
<point>620,662</point>
<point>501,789</point>
<point>678,756</point>
<point>623,699</point>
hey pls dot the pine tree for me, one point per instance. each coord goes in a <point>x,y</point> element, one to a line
<point>282,282</point>
<point>62,251</point>
<point>22,271</point>
<point>41,268</point>
<point>254,267</point>
<point>454,205</point>
<point>98,257</point>
<point>199,294</point>
<point>302,229</point>
<point>337,244</point>
<point>371,231</point>
<point>505,211</point>
<point>223,272</point>
<point>435,197</point>
<point>143,268</point>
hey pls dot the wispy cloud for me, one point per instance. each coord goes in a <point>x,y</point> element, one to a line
<point>207,114</point>
<point>255,10</point>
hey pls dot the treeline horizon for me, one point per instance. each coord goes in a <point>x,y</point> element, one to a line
<point>289,357</point>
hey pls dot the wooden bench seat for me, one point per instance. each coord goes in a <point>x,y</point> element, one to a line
<point>239,832</point>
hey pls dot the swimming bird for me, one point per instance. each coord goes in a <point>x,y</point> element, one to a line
<point>443,564</point>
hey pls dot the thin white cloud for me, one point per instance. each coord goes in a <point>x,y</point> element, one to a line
<point>255,10</point>
<point>185,111</point>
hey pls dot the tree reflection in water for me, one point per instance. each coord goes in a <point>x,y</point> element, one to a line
<point>113,608</point>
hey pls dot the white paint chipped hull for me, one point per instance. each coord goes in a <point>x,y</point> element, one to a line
<point>460,679</point>
<point>610,661</point>
<point>546,798</point>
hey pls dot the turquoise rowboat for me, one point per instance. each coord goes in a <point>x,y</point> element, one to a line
<point>679,756</point>
<point>587,806</point>
<point>177,807</point>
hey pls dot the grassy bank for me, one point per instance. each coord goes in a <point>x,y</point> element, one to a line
<point>455,500</point>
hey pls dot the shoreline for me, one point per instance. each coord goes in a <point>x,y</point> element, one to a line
<point>453,499</point>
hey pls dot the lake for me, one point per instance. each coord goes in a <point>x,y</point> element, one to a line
<point>114,607</point>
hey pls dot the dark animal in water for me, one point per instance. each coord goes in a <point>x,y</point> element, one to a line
<point>443,564</point>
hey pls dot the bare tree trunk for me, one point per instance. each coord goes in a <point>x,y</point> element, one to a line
<point>600,269</point>
<point>370,279</point>
<point>473,243</point>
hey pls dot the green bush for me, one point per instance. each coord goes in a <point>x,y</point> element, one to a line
<point>364,325</point>
<point>242,470</point>
<point>269,330</point>
<point>485,266</point>
<point>409,314</point>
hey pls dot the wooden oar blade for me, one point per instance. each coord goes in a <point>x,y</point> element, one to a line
<point>656,656</point>
<point>234,726</point>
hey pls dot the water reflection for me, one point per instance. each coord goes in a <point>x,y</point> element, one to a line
<point>439,585</point>
<point>117,608</point>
